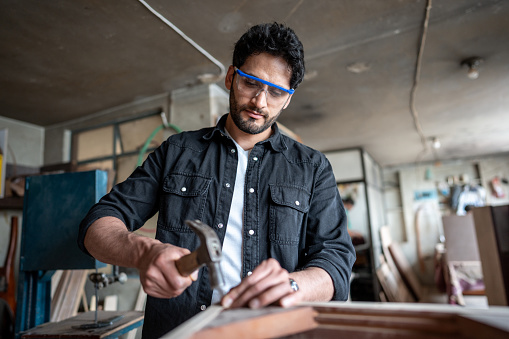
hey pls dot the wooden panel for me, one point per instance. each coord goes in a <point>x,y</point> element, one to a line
<point>354,320</point>
<point>68,294</point>
<point>460,238</point>
<point>272,322</point>
<point>402,290</point>
<point>392,284</point>
<point>407,273</point>
<point>491,265</point>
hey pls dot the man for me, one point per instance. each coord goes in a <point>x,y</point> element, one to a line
<point>272,201</point>
<point>357,237</point>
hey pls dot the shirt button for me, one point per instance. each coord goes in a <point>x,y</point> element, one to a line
<point>251,232</point>
<point>232,150</point>
<point>249,273</point>
<point>251,190</point>
<point>255,159</point>
<point>228,185</point>
<point>297,203</point>
<point>203,307</point>
<point>220,225</point>
<point>183,189</point>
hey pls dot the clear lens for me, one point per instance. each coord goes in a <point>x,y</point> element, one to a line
<point>251,88</point>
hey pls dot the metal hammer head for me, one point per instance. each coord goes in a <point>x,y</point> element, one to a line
<point>209,252</point>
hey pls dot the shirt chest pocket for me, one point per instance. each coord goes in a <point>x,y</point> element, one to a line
<point>184,197</point>
<point>288,206</point>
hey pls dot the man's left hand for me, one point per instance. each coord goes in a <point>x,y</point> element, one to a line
<point>269,284</point>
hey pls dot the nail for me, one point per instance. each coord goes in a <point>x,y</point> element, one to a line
<point>227,302</point>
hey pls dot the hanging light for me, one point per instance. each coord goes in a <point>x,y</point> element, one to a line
<point>473,64</point>
<point>435,142</point>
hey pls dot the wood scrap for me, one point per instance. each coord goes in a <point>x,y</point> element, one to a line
<point>395,266</point>
<point>392,285</point>
<point>407,273</point>
<point>67,298</point>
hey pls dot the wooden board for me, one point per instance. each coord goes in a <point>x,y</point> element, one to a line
<point>460,238</point>
<point>272,322</point>
<point>269,322</point>
<point>68,295</point>
<point>407,273</point>
<point>392,284</point>
<point>357,320</point>
<point>492,265</point>
<point>64,329</point>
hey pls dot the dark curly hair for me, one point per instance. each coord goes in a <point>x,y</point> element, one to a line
<point>274,39</point>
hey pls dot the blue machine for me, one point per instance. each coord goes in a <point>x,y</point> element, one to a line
<point>53,208</point>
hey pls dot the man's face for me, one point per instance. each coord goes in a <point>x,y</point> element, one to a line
<point>252,114</point>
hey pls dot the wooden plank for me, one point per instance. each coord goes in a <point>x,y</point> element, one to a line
<point>488,249</point>
<point>269,322</point>
<point>413,290</point>
<point>216,322</point>
<point>460,238</point>
<point>67,298</point>
<point>111,303</point>
<point>407,273</point>
<point>361,320</point>
<point>195,324</point>
<point>64,329</point>
<point>139,306</point>
<point>397,320</point>
<point>392,284</point>
<point>355,320</point>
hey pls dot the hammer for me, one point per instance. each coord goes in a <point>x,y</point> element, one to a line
<point>208,253</point>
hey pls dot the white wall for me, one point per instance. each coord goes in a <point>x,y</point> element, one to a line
<point>25,143</point>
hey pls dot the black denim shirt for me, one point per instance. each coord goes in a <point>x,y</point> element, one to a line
<point>292,210</point>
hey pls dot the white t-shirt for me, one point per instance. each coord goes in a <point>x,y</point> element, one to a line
<point>231,263</point>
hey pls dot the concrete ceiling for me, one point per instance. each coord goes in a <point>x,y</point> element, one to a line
<point>62,60</point>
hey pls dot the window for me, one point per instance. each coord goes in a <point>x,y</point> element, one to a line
<point>115,147</point>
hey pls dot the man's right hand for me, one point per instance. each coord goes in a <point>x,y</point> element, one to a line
<point>159,275</point>
<point>109,241</point>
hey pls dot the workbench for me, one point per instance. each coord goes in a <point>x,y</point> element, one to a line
<point>348,320</point>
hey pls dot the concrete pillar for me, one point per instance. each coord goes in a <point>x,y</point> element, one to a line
<point>198,106</point>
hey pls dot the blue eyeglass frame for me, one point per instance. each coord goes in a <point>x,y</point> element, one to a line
<point>239,72</point>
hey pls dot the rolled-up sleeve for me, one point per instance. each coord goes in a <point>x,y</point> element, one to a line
<point>133,201</point>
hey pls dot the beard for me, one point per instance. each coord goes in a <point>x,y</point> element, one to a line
<point>249,125</point>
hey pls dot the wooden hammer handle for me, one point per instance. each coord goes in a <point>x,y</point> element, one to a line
<point>188,264</point>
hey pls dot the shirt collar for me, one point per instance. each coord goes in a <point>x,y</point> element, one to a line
<point>275,140</point>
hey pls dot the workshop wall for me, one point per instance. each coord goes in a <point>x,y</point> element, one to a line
<point>58,137</point>
<point>424,193</point>
<point>25,143</point>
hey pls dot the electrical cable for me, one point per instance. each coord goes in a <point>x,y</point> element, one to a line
<point>413,110</point>
<point>185,37</point>
<point>143,150</point>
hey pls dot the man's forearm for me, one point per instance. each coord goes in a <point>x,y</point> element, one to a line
<point>315,284</point>
<point>109,241</point>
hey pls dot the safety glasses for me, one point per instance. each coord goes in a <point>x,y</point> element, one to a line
<point>251,86</point>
